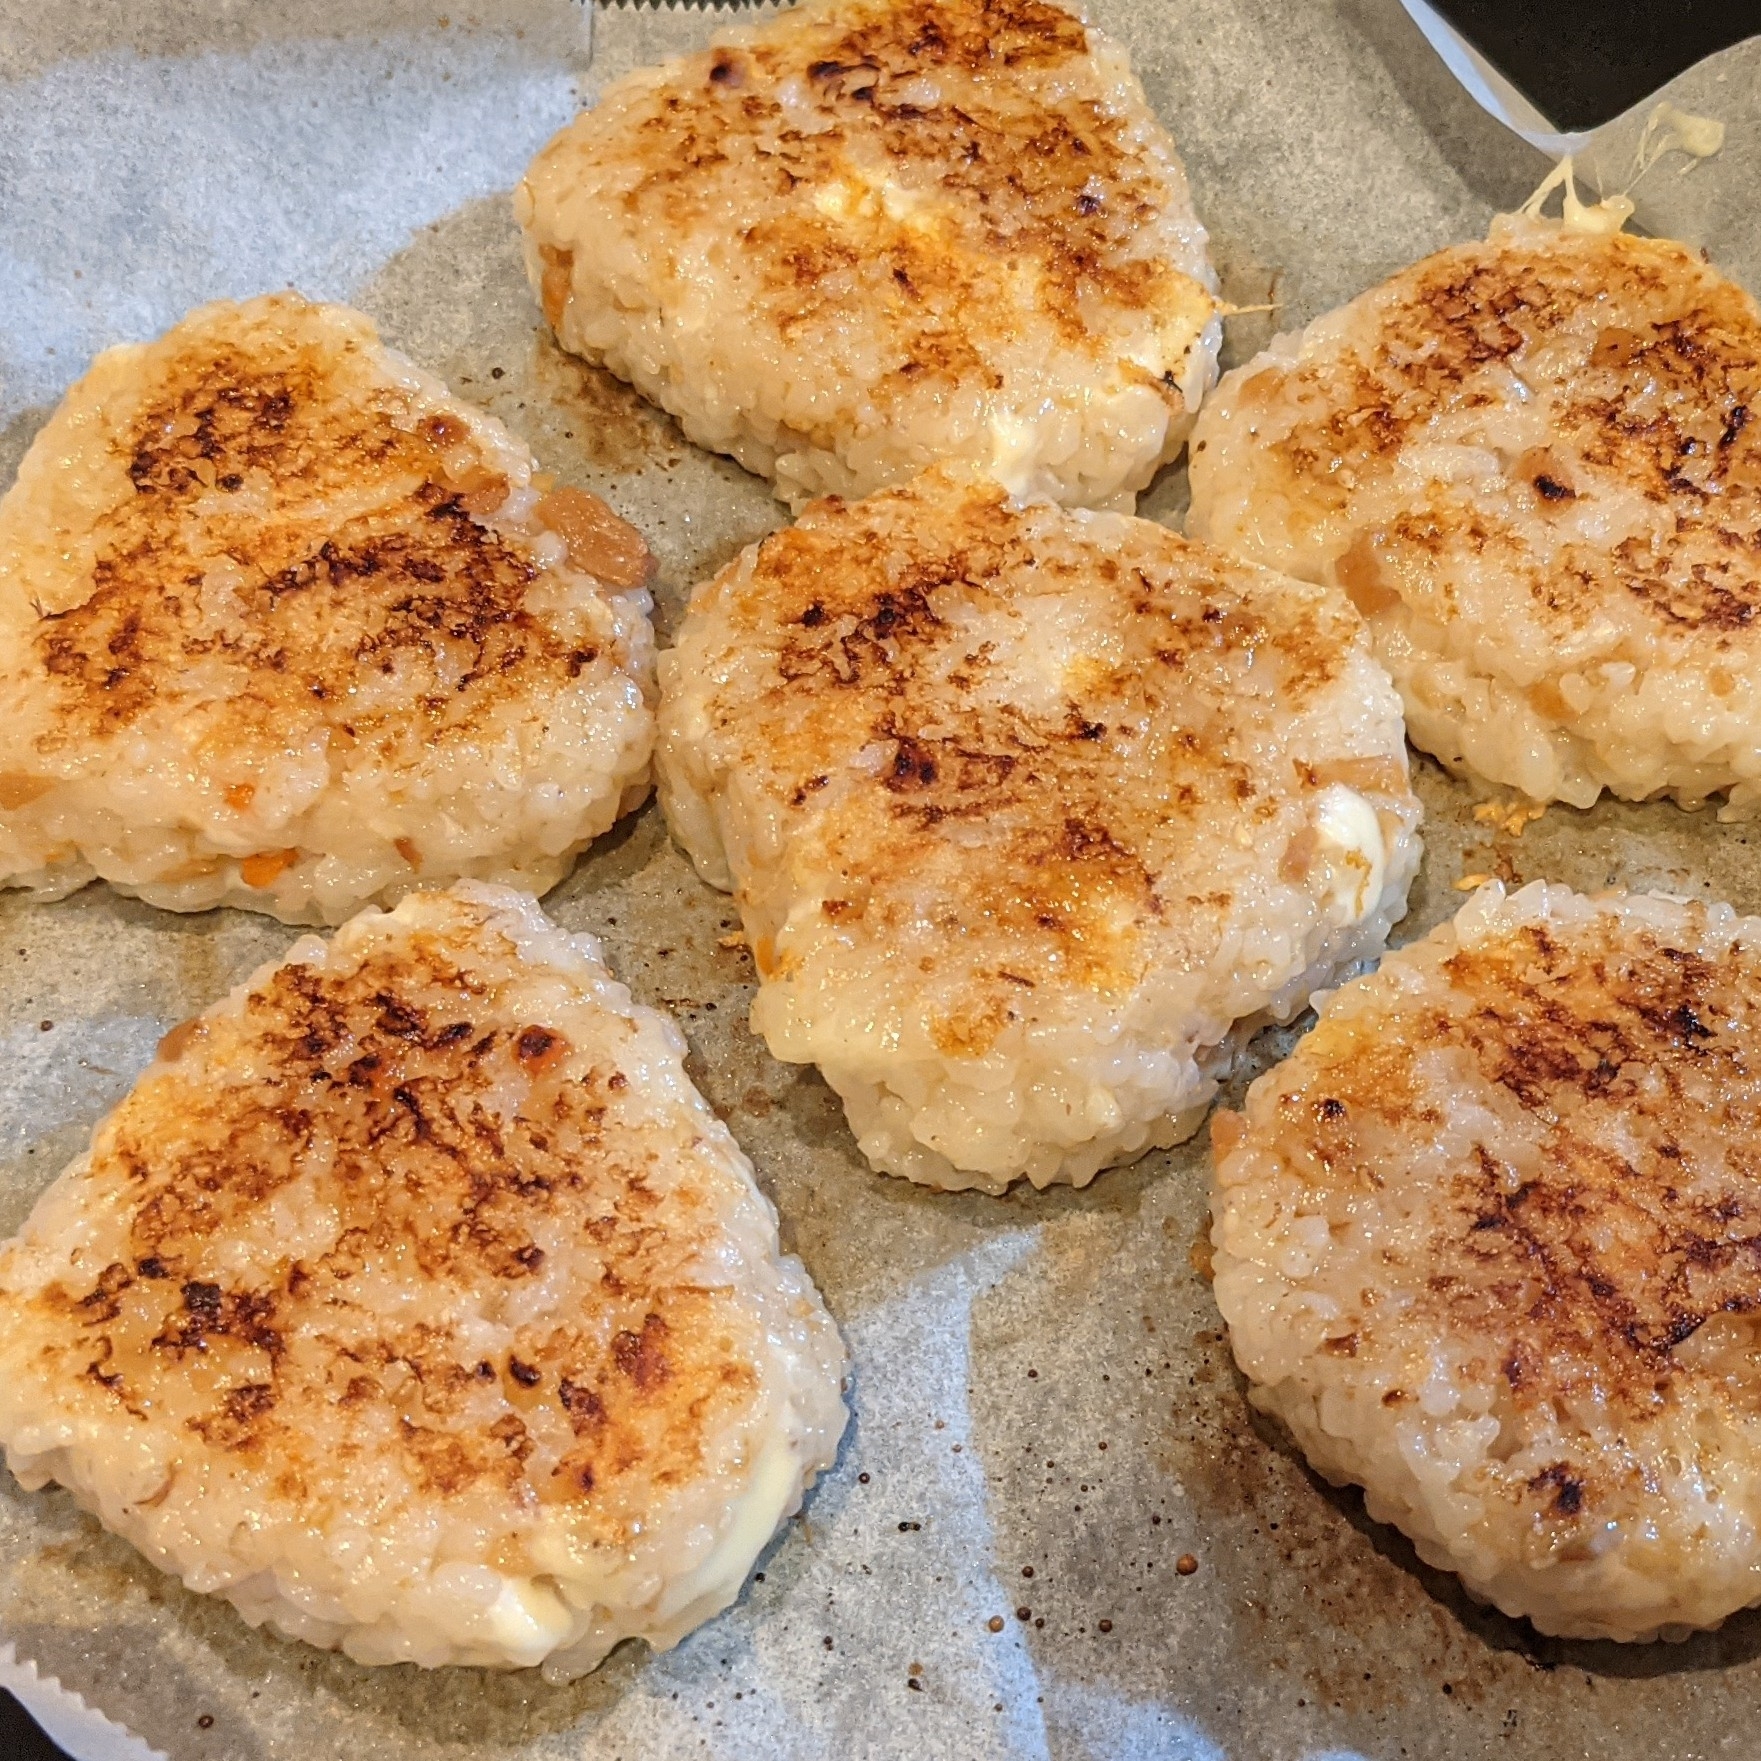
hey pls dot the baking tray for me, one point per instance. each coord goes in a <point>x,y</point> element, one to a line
<point>1046,1418</point>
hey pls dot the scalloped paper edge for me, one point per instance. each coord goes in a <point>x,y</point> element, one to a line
<point>82,1730</point>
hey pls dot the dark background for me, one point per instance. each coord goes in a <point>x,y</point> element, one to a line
<point>20,1740</point>
<point>1582,62</point>
<point>1579,62</point>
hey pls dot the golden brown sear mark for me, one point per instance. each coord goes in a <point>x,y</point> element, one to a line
<point>1617,1245</point>
<point>899,663</point>
<point>1058,184</point>
<point>1659,404</point>
<point>392,1071</point>
<point>303,534</point>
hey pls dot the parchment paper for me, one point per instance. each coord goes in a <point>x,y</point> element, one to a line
<point>1046,1417</point>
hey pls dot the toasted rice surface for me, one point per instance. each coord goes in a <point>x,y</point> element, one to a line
<point>1486,1242</point>
<point>873,234</point>
<point>416,1302</point>
<point>1530,462</point>
<point>1026,812</point>
<point>283,624</point>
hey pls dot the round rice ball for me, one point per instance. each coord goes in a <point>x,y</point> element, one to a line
<point>1033,816</point>
<point>1530,462</point>
<point>1487,1244</point>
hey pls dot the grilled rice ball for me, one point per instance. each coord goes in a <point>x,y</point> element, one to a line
<point>1531,463</point>
<point>415,1302</point>
<point>870,235</point>
<point>1032,816</point>
<point>285,625</point>
<point>1487,1241</point>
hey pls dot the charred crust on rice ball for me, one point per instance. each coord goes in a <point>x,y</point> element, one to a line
<point>397,588</point>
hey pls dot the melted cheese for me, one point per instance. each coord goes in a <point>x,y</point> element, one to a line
<point>527,1620</point>
<point>1608,215</point>
<point>1349,840</point>
<point>1014,443</point>
<point>1669,130</point>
